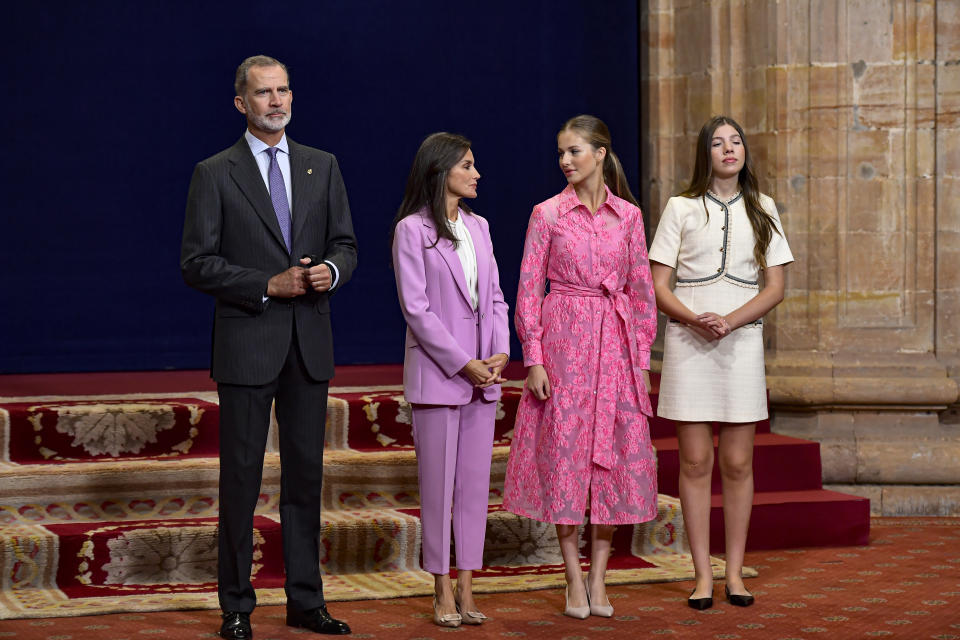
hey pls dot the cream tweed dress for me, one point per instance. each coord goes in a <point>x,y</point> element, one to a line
<point>714,380</point>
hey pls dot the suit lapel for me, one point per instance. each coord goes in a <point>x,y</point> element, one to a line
<point>302,186</point>
<point>246,174</point>
<point>480,250</point>
<point>449,255</point>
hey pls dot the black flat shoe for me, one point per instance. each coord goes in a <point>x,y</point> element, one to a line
<point>736,599</point>
<point>699,603</point>
<point>317,620</point>
<point>235,626</point>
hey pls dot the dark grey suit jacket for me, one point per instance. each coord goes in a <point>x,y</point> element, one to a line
<point>232,246</point>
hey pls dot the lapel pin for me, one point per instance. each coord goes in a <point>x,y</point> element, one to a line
<point>309,171</point>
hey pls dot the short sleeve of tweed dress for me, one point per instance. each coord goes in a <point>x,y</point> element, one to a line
<point>666,244</point>
<point>778,251</point>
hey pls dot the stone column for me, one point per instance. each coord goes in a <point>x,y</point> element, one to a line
<point>851,111</point>
<point>947,130</point>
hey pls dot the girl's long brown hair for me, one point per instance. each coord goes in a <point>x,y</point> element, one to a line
<point>761,221</point>
<point>596,133</point>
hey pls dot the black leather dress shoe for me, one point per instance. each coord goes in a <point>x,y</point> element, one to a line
<point>317,620</point>
<point>236,626</point>
<point>738,600</point>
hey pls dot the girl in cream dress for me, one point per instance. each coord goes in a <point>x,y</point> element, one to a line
<point>724,239</point>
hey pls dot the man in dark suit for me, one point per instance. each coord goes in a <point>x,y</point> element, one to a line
<point>268,234</point>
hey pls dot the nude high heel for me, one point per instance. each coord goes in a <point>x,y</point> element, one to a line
<point>469,617</point>
<point>602,610</point>
<point>452,620</point>
<point>580,613</point>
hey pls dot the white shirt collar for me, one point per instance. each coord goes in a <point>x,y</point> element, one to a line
<point>258,146</point>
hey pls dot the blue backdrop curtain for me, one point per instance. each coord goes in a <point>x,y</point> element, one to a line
<point>110,105</point>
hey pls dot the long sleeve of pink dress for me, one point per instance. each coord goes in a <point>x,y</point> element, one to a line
<point>588,445</point>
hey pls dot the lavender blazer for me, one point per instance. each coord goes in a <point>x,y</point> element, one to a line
<point>441,322</point>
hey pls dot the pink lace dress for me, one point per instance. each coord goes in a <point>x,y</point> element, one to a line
<point>588,445</point>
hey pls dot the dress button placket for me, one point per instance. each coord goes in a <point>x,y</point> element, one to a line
<point>726,219</point>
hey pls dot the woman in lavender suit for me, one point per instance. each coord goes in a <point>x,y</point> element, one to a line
<point>457,345</point>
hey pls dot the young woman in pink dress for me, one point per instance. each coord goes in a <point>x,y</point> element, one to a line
<point>581,439</point>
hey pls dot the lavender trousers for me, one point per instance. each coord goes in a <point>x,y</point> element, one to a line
<point>454,446</point>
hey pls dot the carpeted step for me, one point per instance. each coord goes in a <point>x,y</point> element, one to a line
<point>792,519</point>
<point>780,463</point>
<point>44,487</point>
<point>142,556</point>
<point>374,420</point>
<point>379,419</point>
<point>49,430</point>
<point>158,427</point>
<point>103,429</point>
<point>352,480</point>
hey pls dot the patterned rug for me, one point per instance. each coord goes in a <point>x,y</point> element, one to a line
<point>150,565</point>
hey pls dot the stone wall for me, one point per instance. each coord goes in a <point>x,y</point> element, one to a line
<point>947,164</point>
<point>852,110</point>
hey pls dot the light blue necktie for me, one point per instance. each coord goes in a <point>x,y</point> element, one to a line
<point>278,194</point>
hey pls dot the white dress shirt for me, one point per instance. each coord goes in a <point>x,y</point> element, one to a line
<point>468,256</point>
<point>259,149</point>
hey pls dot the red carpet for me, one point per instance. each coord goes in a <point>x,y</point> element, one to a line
<point>904,586</point>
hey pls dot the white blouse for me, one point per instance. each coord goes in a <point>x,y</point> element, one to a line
<point>705,249</point>
<point>468,256</point>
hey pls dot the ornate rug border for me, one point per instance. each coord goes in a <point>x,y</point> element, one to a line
<point>53,603</point>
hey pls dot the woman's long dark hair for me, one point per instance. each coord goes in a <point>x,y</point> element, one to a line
<point>427,182</point>
<point>594,131</point>
<point>760,220</point>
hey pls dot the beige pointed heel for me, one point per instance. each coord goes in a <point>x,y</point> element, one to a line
<point>602,610</point>
<point>469,617</point>
<point>580,613</point>
<point>451,620</point>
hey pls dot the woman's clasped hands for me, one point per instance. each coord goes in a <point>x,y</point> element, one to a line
<point>711,326</point>
<point>483,373</point>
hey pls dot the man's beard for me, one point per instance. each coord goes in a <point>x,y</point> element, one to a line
<point>267,123</point>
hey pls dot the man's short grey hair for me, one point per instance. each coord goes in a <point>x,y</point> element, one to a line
<point>240,82</point>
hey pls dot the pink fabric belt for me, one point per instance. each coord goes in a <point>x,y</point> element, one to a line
<point>606,395</point>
